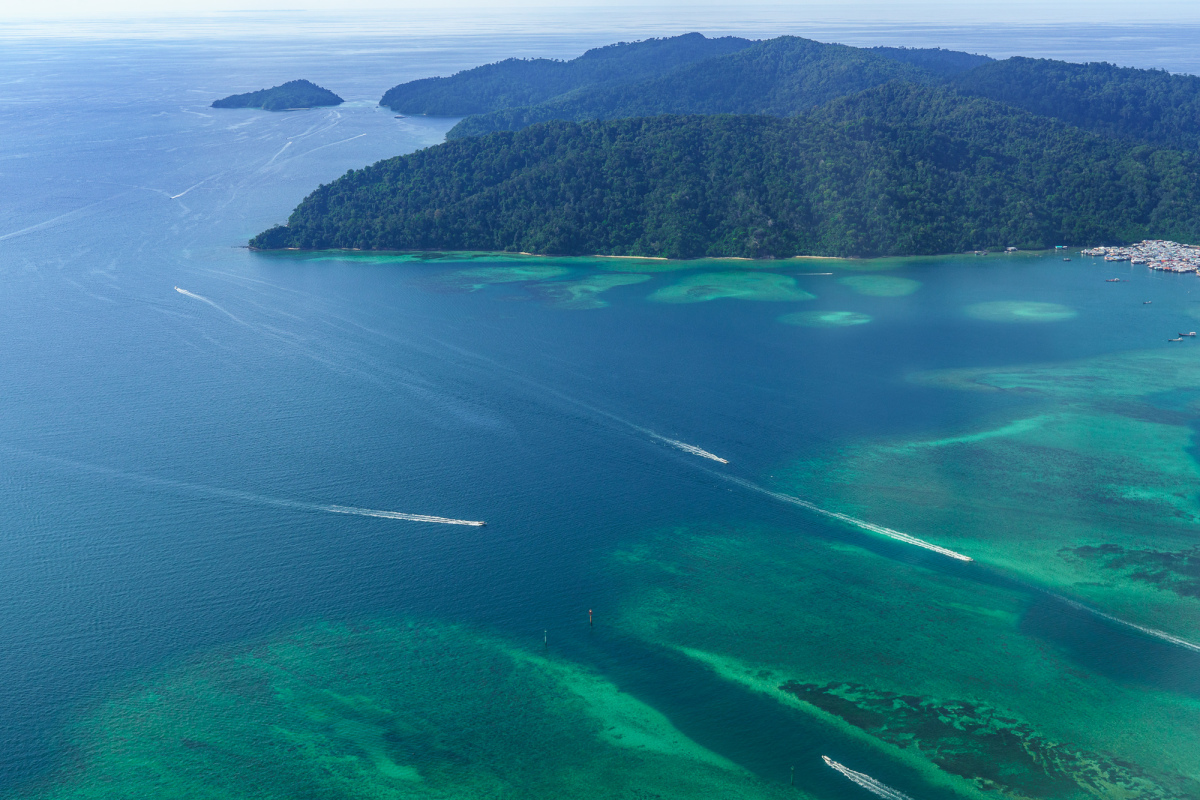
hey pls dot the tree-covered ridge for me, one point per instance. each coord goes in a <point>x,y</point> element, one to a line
<point>781,77</point>
<point>788,75</point>
<point>934,59</point>
<point>523,82</point>
<point>897,170</point>
<point>293,94</point>
<point>1141,104</point>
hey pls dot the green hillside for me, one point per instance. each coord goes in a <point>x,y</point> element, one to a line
<point>1141,104</point>
<point>934,59</point>
<point>899,169</point>
<point>781,77</point>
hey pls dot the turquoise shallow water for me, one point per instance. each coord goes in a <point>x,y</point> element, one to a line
<point>177,581</point>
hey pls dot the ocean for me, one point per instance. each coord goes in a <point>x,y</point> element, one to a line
<point>719,496</point>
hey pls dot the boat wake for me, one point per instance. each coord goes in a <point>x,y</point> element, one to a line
<point>204,299</point>
<point>193,186</point>
<point>866,781</point>
<point>685,447</point>
<point>1157,634</point>
<point>858,523</point>
<point>574,401</point>
<point>61,217</point>
<point>371,512</point>
<point>237,495</point>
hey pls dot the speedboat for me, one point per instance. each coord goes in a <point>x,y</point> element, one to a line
<point>1147,302</point>
<point>1180,339</point>
<point>1113,280</point>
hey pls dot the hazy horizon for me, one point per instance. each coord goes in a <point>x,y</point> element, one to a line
<point>707,12</point>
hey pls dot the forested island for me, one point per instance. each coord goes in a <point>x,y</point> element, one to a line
<point>691,147</point>
<point>285,97</point>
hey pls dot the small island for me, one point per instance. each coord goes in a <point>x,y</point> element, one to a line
<point>291,96</point>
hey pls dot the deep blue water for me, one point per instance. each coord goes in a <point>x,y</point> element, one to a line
<point>131,412</point>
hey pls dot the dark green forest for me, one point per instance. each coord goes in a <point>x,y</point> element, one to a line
<point>897,169</point>
<point>934,59</point>
<point>781,77</point>
<point>789,75</point>
<point>293,94</point>
<point>523,82</point>
<point>1139,104</point>
<point>687,147</point>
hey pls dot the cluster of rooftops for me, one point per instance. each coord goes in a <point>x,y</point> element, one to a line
<point>1155,253</point>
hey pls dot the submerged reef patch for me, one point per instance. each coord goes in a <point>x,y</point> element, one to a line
<point>476,278</point>
<point>1177,571</point>
<point>1101,454</point>
<point>980,743</point>
<point>880,285</point>
<point>1019,311</point>
<point>1019,492</point>
<point>936,669</point>
<point>825,319</point>
<point>585,293</point>
<point>636,264</point>
<point>767,286</point>
<point>388,710</point>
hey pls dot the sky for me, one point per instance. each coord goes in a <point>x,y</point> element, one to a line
<point>956,11</point>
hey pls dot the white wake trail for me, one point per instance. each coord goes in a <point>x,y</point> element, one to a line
<point>60,217</point>
<point>858,523</point>
<point>195,186</point>
<point>371,512</point>
<point>277,155</point>
<point>204,299</point>
<point>1157,634</point>
<point>331,144</point>
<point>236,494</point>
<point>685,447</point>
<point>866,781</point>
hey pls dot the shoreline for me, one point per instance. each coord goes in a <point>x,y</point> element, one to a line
<point>474,255</point>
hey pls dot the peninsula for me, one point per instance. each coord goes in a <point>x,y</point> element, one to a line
<point>691,147</point>
<point>897,170</point>
<point>289,96</point>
